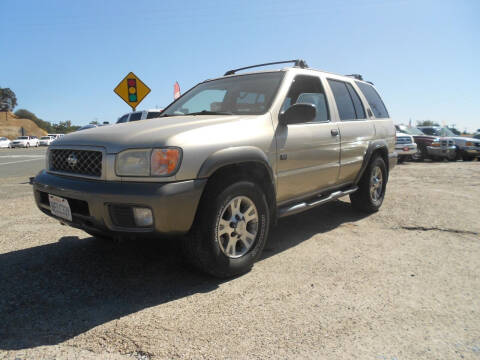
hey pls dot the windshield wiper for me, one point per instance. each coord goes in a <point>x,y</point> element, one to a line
<point>207,112</point>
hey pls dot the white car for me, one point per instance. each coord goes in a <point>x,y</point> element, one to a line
<point>46,140</point>
<point>5,143</point>
<point>405,146</point>
<point>140,115</point>
<point>25,141</point>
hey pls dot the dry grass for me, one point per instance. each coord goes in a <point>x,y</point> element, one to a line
<point>10,126</point>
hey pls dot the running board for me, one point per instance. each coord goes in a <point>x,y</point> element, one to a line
<point>303,206</point>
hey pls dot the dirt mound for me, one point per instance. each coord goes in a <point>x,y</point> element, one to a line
<point>11,126</point>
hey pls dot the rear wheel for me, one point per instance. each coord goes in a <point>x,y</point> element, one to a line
<point>371,188</point>
<point>230,230</point>
<point>400,160</point>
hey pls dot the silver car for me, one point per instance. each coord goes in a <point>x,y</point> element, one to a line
<point>224,161</point>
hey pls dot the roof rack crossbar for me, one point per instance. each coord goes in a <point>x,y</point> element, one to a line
<point>298,62</point>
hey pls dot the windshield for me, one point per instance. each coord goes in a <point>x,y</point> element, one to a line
<point>411,131</point>
<point>438,131</point>
<point>45,138</point>
<point>245,94</point>
<point>2,138</point>
<point>22,138</point>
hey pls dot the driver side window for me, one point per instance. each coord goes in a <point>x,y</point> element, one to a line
<point>308,90</point>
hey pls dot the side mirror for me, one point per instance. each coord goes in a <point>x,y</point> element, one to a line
<point>297,114</point>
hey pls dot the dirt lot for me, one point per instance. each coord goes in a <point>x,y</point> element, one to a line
<point>332,284</point>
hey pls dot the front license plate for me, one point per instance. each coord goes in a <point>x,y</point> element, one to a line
<point>60,207</point>
<point>405,148</point>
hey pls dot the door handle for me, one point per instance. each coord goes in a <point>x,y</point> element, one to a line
<point>334,132</point>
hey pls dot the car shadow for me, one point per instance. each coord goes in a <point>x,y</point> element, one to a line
<point>51,293</point>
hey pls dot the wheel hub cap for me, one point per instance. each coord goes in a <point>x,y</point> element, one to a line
<point>376,184</point>
<point>237,227</point>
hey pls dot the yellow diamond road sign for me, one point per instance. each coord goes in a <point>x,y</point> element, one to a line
<point>132,90</point>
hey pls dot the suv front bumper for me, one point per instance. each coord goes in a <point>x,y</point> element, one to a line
<point>173,205</point>
<point>443,151</point>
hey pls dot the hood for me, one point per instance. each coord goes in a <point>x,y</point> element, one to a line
<point>144,133</point>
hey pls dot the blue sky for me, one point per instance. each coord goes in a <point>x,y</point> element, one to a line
<point>63,58</point>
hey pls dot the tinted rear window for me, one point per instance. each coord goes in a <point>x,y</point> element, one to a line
<point>135,116</point>
<point>374,100</point>
<point>153,114</point>
<point>122,119</point>
<point>345,107</point>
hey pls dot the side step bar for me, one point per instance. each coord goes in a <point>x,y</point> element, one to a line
<point>303,206</point>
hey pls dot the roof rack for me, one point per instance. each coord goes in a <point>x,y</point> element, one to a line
<point>356,76</point>
<point>298,63</point>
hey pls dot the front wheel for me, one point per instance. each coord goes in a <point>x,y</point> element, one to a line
<point>230,230</point>
<point>371,188</point>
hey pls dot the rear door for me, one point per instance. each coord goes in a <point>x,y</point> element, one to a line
<point>309,153</point>
<point>356,130</point>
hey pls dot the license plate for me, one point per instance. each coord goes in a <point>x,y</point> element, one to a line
<point>60,207</point>
<point>405,148</point>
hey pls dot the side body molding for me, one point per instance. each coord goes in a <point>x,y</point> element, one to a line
<point>374,145</point>
<point>231,156</point>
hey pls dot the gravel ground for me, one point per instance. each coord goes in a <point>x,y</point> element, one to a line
<point>332,283</point>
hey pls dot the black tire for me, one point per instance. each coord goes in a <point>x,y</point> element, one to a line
<point>400,160</point>
<point>468,158</point>
<point>362,199</point>
<point>202,249</point>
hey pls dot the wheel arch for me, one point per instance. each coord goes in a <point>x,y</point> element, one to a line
<point>375,147</point>
<point>240,163</point>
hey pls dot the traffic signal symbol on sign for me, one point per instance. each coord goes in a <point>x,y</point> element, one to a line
<point>132,90</point>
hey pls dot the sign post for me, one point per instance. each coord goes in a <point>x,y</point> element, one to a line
<point>132,90</point>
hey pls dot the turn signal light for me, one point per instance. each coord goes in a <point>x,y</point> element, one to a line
<point>164,162</point>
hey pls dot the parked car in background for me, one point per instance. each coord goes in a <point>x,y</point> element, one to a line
<point>55,136</point>
<point>405,147</point>
<point>467,148</point>
<point>477,136</point>
<point>139,115</point>
<point>428,146</point>
<point>25,141</point>
<point>46,140</point>
<point>5,143</point>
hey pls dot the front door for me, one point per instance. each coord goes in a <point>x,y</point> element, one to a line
<point>308,153</point>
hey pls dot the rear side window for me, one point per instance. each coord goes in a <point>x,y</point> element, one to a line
<point>153,114</point>
<point>357,103</point>
<point>374,100</point>
<point>122,119</point>
<point>135,116</point>
<point>346,109</point>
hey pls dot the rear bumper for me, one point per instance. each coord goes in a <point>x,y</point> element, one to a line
<point>173,205</point>
<point>406,149</point>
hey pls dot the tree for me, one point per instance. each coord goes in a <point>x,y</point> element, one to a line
<point>454,130</point>
<point>8,99</point>
<point>42,124</point>
<point>427,123</point>
<point>25,114</point>
<point>94,122</point>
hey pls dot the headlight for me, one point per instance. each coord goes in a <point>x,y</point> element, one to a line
<point>148,162</point>
<point>435,143</point>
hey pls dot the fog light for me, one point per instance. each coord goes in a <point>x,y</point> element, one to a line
<point>142,216</point>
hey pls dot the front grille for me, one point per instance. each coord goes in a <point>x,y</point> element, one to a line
<point>444,142</point>
<point>80,162</point>
<point>404,140</point>
<point>122,215</point>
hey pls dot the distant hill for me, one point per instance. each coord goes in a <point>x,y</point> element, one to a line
<point>11,127</point>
